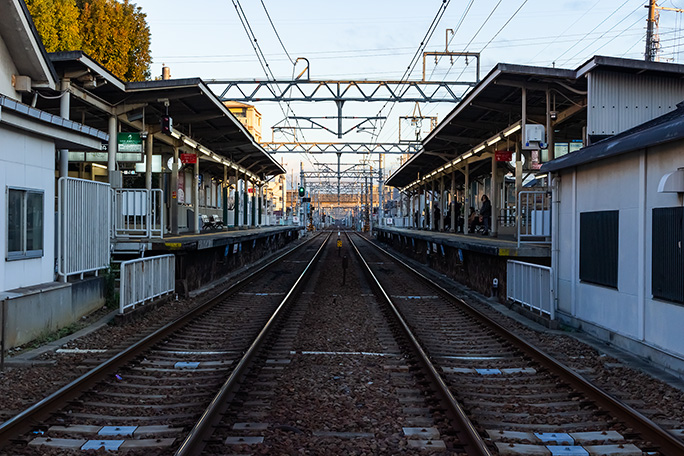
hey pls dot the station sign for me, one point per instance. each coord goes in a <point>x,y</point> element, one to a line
<point>129,142</point>
<point>103,156</point>
<point>188,158</point>
<point>503,155</point>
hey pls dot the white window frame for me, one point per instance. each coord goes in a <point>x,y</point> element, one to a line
<point>24,254</point>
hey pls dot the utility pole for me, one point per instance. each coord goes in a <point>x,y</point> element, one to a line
<point>652,41</point>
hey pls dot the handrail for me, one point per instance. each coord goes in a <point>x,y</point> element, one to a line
<point>144,279</point>
<point>534,217</point>
<point>83,213</point>
<point>530,284</point>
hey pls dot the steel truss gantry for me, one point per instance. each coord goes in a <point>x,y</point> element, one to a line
<point>341,147</point>
<point>339,91</point>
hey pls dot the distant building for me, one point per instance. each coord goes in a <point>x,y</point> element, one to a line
<point>248,115</point>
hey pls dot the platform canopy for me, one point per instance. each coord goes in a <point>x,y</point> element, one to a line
<point>581,104</point>
<point>200,120</point>
<point>492,110</point>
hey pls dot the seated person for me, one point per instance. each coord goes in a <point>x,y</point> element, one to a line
<point>473,220</point>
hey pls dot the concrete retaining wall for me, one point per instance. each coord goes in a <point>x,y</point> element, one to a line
<point>476,270</point>
<point>39,310</point>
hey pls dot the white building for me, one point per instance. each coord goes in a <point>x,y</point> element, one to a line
<point>619,213</point>
<point>29,140</point>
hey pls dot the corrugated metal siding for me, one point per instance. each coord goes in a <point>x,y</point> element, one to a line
<point>599,243</point>
<point>618,102</point>
<point>668,260</point>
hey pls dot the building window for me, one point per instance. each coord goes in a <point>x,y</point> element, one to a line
<point>599,248</point>
<point>667,262</point>
<point>24,224</point>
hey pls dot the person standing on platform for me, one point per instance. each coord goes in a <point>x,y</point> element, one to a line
<point>486,213</point>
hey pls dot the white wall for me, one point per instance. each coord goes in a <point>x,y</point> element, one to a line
<point>27,162</point>
<point>7,69</point>
<point>629,184</point>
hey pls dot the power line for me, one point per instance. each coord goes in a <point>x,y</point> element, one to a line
<point>504,26</point>
<point>568,28</point>
<point>600,24</point>
<point>276,32</point>
<point>431,30</point>
<point>455,31</point>
<point>261,57</point>
<point>591,44</point>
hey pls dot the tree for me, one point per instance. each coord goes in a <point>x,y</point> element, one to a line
<point>43,13</point>
<point>67,25</point>
<point>115,34</point>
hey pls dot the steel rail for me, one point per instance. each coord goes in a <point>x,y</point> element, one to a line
<point>204,428</point>
<point>24,421</point>
<point>666,443</point>
<point>473,443</point>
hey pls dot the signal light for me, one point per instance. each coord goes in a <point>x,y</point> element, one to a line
<point>301,191</point>
<point>166,124</point>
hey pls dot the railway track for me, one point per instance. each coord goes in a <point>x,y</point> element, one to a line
<point>335,376</point>
<point>521,400</point>
<point>149,395</point>
<point>304,356</point>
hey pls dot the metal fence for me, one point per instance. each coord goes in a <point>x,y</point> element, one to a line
<point>83,222</point>
<point>144,279</point>
<point>530,285</point>
<point>138,213</point>
<point>535,217</point>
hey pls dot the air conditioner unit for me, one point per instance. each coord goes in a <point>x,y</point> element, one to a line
<point>21,83</point>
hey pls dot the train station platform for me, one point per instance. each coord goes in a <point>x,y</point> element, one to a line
<point>221,238</point>
<point>473,242</point>
<point>207,257</point>
<point>474,260</point>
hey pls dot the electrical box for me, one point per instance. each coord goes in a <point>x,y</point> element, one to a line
<point>115,179</point>
<point>534,137</point>
<point>21,83</point>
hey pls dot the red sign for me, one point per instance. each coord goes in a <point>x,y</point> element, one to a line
<point>188,158</point>
<point>503,155</point>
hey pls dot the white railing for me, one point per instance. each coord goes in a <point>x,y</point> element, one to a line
<point>83,214</point>
<point>144,279</point>
<point>534,223</point>
<point>530,285</point>
<point>138,213</point>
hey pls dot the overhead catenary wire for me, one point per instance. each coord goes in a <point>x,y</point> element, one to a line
<point>416,58</point>
<point>607,41</point>
<point>276,33</point>
<point>262,60</point>
<point>455,31</point>
<point>592,30</point>
<point>465,48</point>
<point>568,28</point>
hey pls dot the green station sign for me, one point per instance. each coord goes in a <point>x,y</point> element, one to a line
<point>130,142</point>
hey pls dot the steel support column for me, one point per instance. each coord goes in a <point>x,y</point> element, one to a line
<point>64,111</point>
<point>441,203</point>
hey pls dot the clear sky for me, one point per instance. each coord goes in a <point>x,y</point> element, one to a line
<point>376,39</point>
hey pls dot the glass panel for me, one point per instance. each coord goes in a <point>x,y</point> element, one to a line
<point>34,221</point>
<point>15,241</point>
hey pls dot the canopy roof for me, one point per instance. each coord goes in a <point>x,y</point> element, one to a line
<point>495,105</point>
<point>196,112</point>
